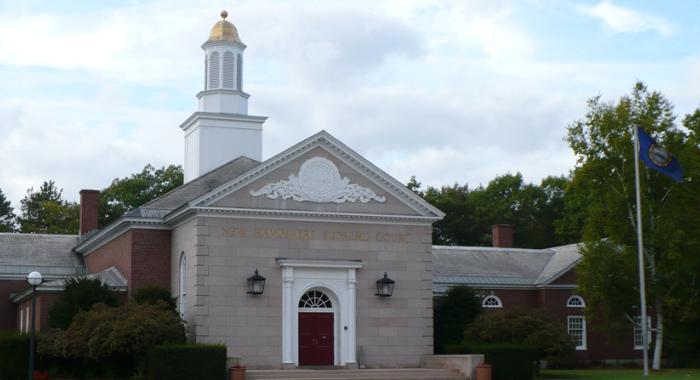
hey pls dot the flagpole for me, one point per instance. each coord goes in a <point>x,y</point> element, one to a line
<point>640,247</point>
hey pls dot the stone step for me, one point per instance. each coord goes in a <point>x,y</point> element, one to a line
<point>354,374</point>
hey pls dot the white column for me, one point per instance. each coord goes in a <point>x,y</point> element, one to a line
<point>350,350</point>
<point>287,308</point>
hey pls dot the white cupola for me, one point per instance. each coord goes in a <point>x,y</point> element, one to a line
<point>221,130</point>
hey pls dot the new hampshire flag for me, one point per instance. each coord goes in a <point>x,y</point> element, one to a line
<point>658,158</point>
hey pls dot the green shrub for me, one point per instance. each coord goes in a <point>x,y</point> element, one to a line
<point>452,313</point>
<point>510,361</point>
<point>152,294</point>
<point>458,349</point>
<point>79,295</point>
<point>187,361</point>
<point>14,351</point>
<point>118,337</point>
<point>530,327</point>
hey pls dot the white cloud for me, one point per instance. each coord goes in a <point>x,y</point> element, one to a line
<point>446,91</point>
<point>623,20</point>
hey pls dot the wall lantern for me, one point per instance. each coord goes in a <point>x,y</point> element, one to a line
<point>385,286</point>
<point>256,283</point>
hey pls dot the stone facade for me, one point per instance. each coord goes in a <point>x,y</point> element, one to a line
<point>392,332</point>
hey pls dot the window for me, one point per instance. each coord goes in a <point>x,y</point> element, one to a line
<point>214,70</point>
<point>183,285</point>
<point>638,334</point>
<point>576,327</point>
<point>491,301</point>
<point>228,70</point>
<point>315,300</point>
<point>575,301</point>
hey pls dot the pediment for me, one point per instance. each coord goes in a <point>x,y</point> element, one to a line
<point>319,175</point>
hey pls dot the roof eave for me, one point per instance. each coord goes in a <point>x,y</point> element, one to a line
<point>117,228</point>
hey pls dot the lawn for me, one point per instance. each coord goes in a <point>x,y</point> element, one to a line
<point>620,374</point>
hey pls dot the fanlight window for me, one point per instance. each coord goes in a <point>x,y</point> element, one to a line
<point>575,301</point>
<point>315,300</point>
<point>491,301</point>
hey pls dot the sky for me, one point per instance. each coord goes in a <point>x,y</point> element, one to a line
<point>448,91</point>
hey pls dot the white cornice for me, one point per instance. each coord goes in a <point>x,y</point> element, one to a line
<point>238,44</point>
<point>324,140</point>
<point>510,287</point>
<point>225,91</point>
<point>313,263</point>
<point>115,229</point>
<point>200,115</point>
<point>309,216</point>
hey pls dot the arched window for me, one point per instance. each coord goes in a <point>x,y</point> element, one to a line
<point>491,301</point>
<point>206,70</point>
<point>575,301</point>
<point>183,285</point>
<point>315,299</point>
<point>214,70</point>
<point>239,73</point>
<point>228,70</point>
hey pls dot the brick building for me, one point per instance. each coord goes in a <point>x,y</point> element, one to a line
<point>321,223</point>
<point>543,279</point>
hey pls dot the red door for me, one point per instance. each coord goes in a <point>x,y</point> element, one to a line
<point>315,338</point>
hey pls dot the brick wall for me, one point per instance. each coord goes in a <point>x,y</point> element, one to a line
<point>141,255</point>
<point>600,346</point>
<point>9,311</point>
<point>116,253</point>
<point>150,258</point>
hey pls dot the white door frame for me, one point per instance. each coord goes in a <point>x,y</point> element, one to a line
<point>337,279</point>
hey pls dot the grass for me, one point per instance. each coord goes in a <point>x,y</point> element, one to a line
<point>620,374</point>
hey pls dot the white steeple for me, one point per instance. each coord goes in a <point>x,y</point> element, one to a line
<point>221,130</point>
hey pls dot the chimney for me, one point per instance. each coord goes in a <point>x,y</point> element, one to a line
<point>502,235</point>
<point>89,205</point>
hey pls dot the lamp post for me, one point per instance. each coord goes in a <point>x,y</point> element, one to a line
<point>34,279</point>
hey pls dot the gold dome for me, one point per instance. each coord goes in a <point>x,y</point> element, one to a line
<point>224,30</point>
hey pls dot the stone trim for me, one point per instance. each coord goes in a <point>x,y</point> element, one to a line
<point>337,279</point>
<point>314,263</point>
<point>178,216</point>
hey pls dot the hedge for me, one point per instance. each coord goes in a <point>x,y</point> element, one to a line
<point>459,349</point>
<point>510,361</point>
<point>14,355</point>
<point>186,362</point>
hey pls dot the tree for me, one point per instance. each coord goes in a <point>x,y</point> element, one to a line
<point>7,215</point>
<point>45,212</point>
<point>80,294</point>
<point>125,194</point>
<point>452,313</point>
<point>529,327</point>
<point>535,211</point>
<point>603,181</point>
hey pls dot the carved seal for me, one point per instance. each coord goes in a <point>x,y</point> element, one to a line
<point>318,181</point>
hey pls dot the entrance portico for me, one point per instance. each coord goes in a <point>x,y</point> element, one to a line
<point>335,279</point>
